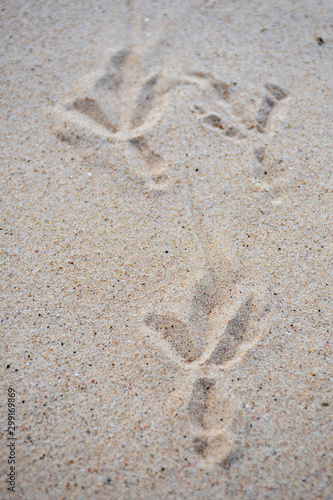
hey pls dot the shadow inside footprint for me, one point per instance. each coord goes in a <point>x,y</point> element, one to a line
<point>210,414</point>
<point>199,402</point>
<point>264,113</point>
<point>277,92</point>
<point>145,101</point>
<point>235,334</point>
<point>203,303</point>
<point>214,121</point>
<point>142,147</point>
<point>90,108</point>
<point>208,409</point>
<point>175,332</point>
<point>200,445</point>
<point>189,340</point>
<point>113,76</point>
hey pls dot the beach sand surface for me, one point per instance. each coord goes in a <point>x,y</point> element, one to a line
<point>166,248</point>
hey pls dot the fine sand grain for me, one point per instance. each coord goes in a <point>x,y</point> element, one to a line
<point>166,249</point>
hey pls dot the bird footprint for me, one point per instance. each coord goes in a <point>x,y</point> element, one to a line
<point>218,333</point>
<point>120,104</point>
<point>225,109</point>
<point>210,415</point>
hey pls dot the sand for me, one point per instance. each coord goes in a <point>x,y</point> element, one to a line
<point>166,249</point>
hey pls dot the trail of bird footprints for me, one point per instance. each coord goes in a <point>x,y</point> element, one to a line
<point>121,104</point>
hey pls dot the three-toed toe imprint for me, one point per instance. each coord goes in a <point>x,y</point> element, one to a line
<point>221,326</point>
<point>228,111</point>
<point>120,104</point>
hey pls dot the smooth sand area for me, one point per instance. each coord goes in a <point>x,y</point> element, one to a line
<point>166,249</point>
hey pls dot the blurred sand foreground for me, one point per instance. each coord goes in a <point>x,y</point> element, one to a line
<point>166,249</point>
